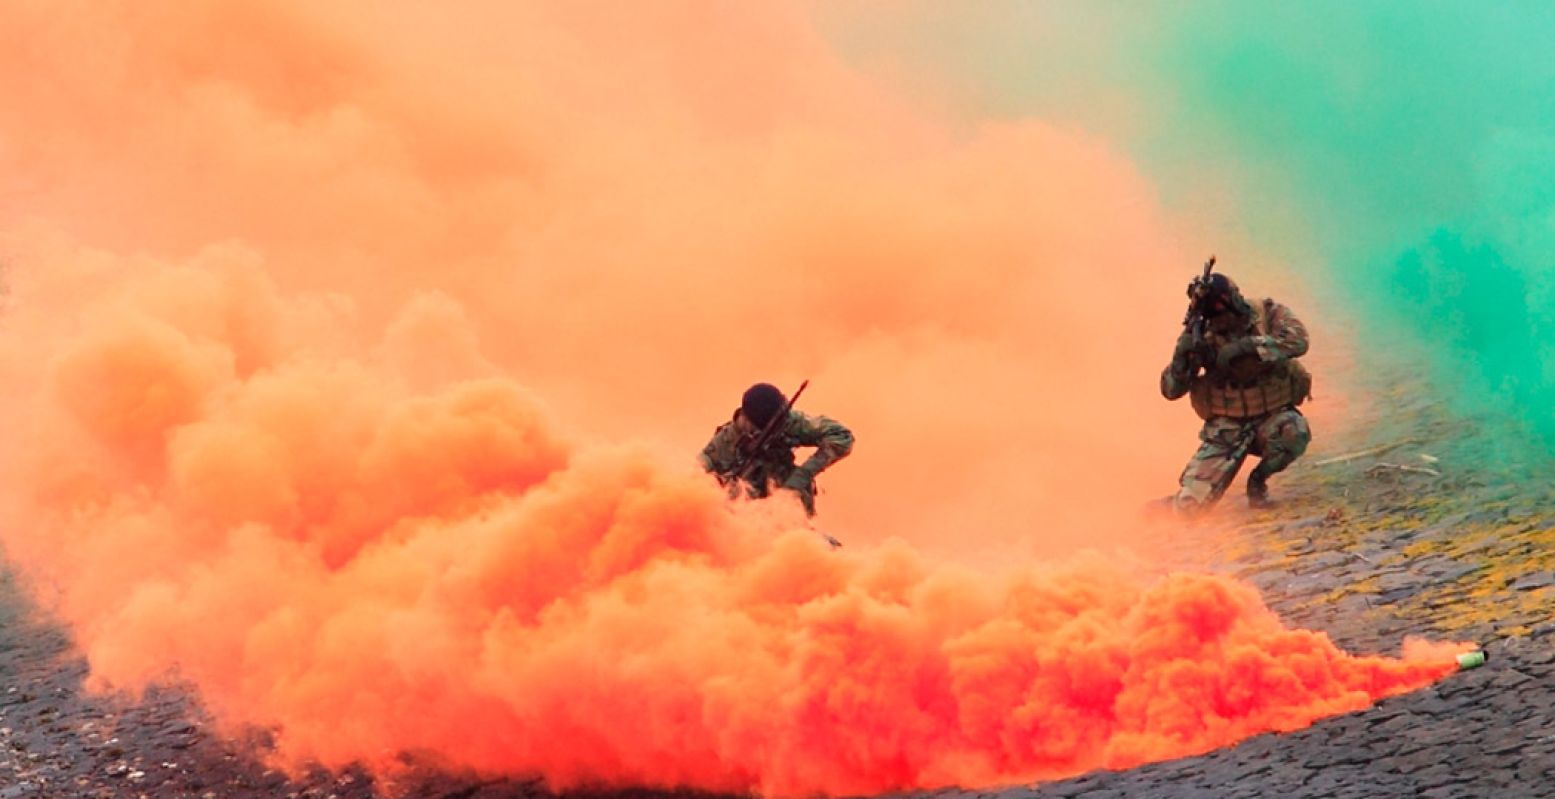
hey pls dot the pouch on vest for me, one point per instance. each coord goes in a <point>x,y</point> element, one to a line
<point>1301,380</point>
<point>1288,385</point>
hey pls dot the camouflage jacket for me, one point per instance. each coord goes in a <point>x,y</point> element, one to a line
<point>831,440</point>
<point>1278,338</point>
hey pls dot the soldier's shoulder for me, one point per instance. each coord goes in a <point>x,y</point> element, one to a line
<point>816,422</point>
<point>723,430</point>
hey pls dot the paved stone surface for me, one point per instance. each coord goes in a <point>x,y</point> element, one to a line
<point>56,741</point>
<point>1370,556</point>
<point>1485,732</point>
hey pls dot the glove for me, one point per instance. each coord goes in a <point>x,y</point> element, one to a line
<point>802,482</point>
<point>1187,357</point>
<point>1236,349</point>
<point>1184,345</point>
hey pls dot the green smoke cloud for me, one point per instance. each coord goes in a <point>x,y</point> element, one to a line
<point>1412,143</point>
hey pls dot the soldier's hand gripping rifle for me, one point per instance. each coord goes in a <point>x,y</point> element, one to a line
<point>1194,321</point>
<point>752,446</point>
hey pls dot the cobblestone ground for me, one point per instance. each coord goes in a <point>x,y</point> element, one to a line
<point>1393,538</point>
<point>1366,547</point>
<point>1485,732</point>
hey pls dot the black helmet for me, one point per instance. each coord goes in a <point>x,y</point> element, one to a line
<point>762,402</point>
<point>1216,294</point>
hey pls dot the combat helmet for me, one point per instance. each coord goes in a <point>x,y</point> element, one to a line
<point>1213,293</point>
<point>761,402</point>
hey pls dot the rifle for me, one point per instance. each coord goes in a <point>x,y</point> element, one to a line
<point>753,446</point>
<point>1194,320</point>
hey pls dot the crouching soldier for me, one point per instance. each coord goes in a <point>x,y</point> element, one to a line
<point>742,460</point>
<point>1236,361</point>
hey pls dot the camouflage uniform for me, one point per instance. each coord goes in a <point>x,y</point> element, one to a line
<point>1248,402</point>
<point>775,464</point>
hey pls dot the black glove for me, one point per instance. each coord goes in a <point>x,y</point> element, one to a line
<point>1236,349</point>
<point>802,482</point>
<point>1184,345</point>
<point>1185,358</point>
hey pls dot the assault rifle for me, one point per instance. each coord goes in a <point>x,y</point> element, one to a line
<point>1194,321</point>
<point>753,445</point>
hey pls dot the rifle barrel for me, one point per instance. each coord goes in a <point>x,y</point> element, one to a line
<point>742,469</point>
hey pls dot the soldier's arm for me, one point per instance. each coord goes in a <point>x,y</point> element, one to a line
<point>1287,336</point>
<point>718,456</point>
<point>1177,377</point>
<point>831,440</point>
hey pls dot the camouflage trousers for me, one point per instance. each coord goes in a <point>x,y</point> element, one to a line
<point>1278,439</point>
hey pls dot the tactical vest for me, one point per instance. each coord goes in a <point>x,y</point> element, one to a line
<point>774,465</point>
<point>1286,384</point>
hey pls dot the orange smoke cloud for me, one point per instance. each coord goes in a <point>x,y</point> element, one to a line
<point>369,568</point>
<point>274,269</point>
<point>642,211</point>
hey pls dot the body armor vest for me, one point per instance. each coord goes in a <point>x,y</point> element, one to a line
<point>1249,388</point>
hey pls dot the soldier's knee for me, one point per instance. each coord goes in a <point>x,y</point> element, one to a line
<point>1195,493</point>
<point>1287,450</point>
<point>1291,438</point>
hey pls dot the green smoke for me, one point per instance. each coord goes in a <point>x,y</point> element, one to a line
<point>1412,143</point>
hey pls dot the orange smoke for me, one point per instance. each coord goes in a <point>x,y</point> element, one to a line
<point>369,569</point>
<point>641,211</point>
<point>356,362</point>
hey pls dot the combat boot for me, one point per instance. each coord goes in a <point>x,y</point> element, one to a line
<point>1258,491</point>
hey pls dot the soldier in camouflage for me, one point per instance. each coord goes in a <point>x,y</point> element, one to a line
<point>1238,366</point>
<point>774,464</point>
